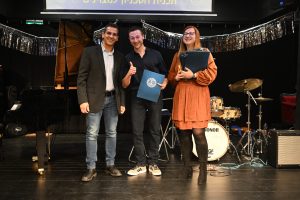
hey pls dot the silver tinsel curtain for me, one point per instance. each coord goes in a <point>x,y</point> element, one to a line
<point>254,36</point>
<point>27,43</point>
<point>269,31</point>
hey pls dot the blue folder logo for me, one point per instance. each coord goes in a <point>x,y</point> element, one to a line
<point>151,82</point>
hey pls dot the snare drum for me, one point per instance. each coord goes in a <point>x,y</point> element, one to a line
<point>216,106</point>
<point>217,141</point>
<point>231,113</point>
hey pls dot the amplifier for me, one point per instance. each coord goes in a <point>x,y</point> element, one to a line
<point>284,148</point>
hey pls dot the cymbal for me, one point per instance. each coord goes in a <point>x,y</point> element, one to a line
<point>263,99</point>
<point>245,85</point>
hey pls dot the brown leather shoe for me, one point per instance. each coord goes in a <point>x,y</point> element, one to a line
<point>89,175</point>
<point>113,171</point>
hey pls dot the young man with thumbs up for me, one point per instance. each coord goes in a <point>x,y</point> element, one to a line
<point>141,58</point>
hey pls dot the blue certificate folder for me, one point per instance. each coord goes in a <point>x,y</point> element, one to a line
<point>149,89</point>
<point>195,60</point>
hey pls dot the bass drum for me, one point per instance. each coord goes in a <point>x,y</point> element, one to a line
<point>217,140</point>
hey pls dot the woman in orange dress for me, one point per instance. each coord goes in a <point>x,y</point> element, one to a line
<point>191,103</point>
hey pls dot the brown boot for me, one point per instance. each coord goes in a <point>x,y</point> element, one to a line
<point>186,145</point>
<point>202,173</point>
<point>202,151</point>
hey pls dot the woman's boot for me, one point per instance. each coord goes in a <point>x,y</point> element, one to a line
<point>186,145</point>
<point>202,151</point>
<point>203,173</point>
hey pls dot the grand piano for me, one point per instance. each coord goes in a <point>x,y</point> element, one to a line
<point>48,110</point>
<point>46,106</point>
<point>52,107</point>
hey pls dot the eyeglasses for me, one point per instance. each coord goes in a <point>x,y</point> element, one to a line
<point>189,33</point>
<point>111,34</point>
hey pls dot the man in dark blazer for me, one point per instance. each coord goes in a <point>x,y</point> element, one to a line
<point>100,92</point>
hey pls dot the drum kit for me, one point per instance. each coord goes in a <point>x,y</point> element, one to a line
<point>218,136</point>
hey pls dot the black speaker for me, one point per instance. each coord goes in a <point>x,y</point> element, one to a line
<point>284,148</point>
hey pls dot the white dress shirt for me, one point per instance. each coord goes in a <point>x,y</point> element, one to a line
<point>109,66</point>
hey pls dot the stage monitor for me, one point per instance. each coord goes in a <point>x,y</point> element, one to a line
<point>153,6</point>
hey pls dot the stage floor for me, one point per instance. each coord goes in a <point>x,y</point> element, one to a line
<point>19,179</point>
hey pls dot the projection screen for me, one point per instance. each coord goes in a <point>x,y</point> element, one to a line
<point>130,5</point>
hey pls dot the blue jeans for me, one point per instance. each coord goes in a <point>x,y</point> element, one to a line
<point>139,109</point>
<point>110,113</point>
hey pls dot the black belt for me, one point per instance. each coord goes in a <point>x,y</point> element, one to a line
<point>109,93</point>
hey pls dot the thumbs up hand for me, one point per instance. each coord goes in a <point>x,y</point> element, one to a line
<point>132,69</point>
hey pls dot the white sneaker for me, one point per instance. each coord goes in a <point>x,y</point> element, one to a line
<point>154,170</point>
<point>137,170</point>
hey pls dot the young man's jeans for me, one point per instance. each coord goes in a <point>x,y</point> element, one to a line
<point>139,109</point>
<point>110,112</point>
